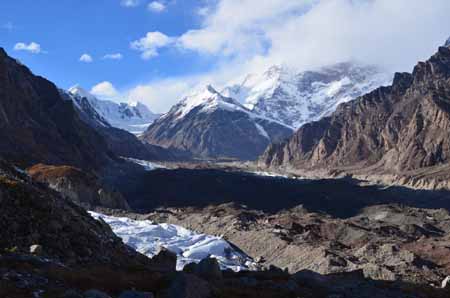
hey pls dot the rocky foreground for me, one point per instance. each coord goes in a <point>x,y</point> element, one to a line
<point>387,242</point>
<point>51,248</point>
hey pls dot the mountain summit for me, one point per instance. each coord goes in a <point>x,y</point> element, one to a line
<point>210,125</point>
<point>297,97</point>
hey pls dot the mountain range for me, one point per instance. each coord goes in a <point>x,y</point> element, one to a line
<point>242,120</point>
<point>295,97</point>
<point>398,132</point>
<point>210,125</point>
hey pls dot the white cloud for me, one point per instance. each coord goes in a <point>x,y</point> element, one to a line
<point>115,56</point>
<point>32,47</point>
<point>150,43</point>
<point>86,58</point>
<point>130,3</point>
<point>156,6</point>
<point>246,36</point>
<point>105,90</point>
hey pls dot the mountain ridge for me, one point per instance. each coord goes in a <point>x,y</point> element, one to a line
<point>210,125</point>
<point>396,131</point>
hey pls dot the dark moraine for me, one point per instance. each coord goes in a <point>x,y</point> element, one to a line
<point>337,197</point>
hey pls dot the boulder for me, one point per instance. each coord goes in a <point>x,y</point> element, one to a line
<point>188,286</point>
<point>135,294</point>
<point>95,294</point>
<point>164,260</point>
<point>209,269</point>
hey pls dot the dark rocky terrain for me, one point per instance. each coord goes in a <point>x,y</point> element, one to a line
<point>395,134</point>
<point>202,186</point>
<point>51,248</point>
<point>82,188</point>
<point>211,126</point>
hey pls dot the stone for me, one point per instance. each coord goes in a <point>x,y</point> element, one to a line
<point>188,286</point>
<point>72,294</point>
<point>135,294</point>
<point>95,294</point>
<point>209,268</point>
<point>36,249</point>
<point>164,260</point>
<point>446,283</point>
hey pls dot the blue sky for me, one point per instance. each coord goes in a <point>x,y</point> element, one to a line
<point>168,48</point>
<point>66,29</point>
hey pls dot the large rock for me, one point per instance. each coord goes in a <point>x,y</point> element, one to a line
<point>135,294</point>
<point>188,286</point>
<point>207,268</point>
<point>164,260</point>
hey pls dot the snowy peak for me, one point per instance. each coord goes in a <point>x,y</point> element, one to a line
<point>297,97</point>
<point>206,100</point>
<point>134,117</point>
<point>447,43</point>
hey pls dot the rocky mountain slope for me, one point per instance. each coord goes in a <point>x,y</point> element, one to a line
<point>297,97</point>
<point>134,117</point>
<point>210,125</point>
<point>37,125</point>
<point>399,132</point>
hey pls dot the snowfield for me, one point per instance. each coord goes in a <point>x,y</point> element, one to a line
<point>147,165</point>
<point>147,237</point>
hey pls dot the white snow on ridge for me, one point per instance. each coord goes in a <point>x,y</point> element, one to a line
<point>147,165</point>
<point>147,238</point>
<point>295,97</point>
<point>134,117</point>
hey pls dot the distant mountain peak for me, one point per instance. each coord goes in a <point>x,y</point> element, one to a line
<point>134,117</point>
<point>447,43</point>
<point>295,97</point>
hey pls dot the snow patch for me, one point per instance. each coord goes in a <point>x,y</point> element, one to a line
<point>147,165</point>
<point>147,237</point>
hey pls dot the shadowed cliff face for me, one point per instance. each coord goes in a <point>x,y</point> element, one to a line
<point>37,125</point>
<point>392,130</point>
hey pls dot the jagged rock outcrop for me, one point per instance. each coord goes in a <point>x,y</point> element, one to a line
<point>37,125</point>
<point>80,187</point>
<point>212,126</point>
<point>399,130</point>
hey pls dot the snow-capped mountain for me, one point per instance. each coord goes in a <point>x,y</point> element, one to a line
<point>134,117</point>
<point>210,125</point>
<point>447,43</point>
<point>295,98</point>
